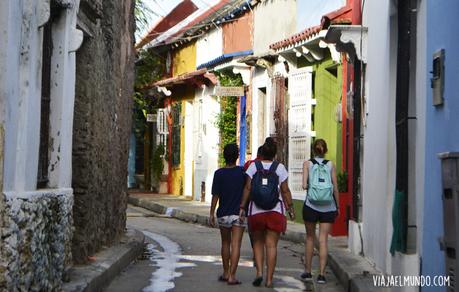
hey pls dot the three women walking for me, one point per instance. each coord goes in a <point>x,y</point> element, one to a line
<point>262,197</point>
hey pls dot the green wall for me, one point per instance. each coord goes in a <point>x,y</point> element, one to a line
<point>327,93</point>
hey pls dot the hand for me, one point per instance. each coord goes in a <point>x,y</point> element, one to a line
<point>242,215</point>
<point>291,213</point>
<point>212,220</point>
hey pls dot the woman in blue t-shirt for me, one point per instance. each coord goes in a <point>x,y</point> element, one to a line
<point>227,188</point>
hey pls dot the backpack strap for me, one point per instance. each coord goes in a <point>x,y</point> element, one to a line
<point>258,165</point>
<point>313,161</point>
<point>274,166</point>
<point>325,161</point>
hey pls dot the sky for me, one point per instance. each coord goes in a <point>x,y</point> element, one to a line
<point>163,7</point>
<point>311,10</point>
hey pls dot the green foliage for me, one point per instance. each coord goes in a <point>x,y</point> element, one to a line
<point>149,67</point>
<point>157,164</point>
<point>142,15</point>
<point>342,182</point>
<point>227,118</point>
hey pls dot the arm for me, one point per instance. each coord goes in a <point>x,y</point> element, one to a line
<point>213,205</point>
<point>287,198</point>
<point>245,196</point>
<point>335,186</point>
<point>305,174</point>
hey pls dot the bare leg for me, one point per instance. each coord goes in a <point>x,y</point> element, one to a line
<point>225,251</point>
<point>324,229</point>
<point>272,238</point>
<point>259,250</point>
<point>236,238</point>
<point>309,246</point>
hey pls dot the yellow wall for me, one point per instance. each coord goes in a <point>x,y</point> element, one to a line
<point>183,61</point>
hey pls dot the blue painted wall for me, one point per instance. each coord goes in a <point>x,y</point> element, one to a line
<point>442,128</point>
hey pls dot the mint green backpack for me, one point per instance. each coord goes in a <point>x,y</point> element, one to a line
<point>320,191</point>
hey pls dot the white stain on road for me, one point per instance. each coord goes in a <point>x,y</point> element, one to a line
<point>165,261</point>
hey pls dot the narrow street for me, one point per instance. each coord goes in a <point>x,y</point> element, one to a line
<point>186,257</point>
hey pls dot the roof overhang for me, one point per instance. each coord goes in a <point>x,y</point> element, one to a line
<point>225,58</point>
<point>313,49</point>
<point>350,39</point>
<point>252,60</point>
<point>196,78</point>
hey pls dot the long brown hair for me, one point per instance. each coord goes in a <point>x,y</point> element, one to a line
<point>319,147</point>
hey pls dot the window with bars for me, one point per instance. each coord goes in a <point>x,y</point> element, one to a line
<point>162,130</point>
<point>43,158</point>
<point>176,126</point>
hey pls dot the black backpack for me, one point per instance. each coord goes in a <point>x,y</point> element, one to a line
<point>265,186</point>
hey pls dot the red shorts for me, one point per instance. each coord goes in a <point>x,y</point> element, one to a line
<point>268,221</point>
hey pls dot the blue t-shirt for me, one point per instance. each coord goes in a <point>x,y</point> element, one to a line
<point>228,185</point>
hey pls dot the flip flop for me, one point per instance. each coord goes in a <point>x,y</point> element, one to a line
<point>269,286</point>
<point>257,281</point>
<point>237,282</point>
<point>222,279</point>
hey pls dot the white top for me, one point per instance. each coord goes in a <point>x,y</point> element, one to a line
<point>321,208</point>
<point>281,171</point>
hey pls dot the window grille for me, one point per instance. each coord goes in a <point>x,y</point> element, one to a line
<point>176,127</point>
<point>43,158</point>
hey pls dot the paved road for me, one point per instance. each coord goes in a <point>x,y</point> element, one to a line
<point>185,257</point>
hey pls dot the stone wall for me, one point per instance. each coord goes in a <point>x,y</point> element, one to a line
<point>102,123</point>
<point>36,240</point>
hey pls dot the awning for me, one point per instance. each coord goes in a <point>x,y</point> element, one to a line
<point>309,43</point>
<point>224,58</point>
<point>197,78</point>
<point>350,39</point>
<point>312,47</point>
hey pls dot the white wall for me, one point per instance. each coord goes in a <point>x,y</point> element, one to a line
<point>209,46</point>
<point>378,173</point>
<point>205,140</point>
<point>260,79</point>
<point>379,142</point>
<point>273,21</point>
<point>20,88</point>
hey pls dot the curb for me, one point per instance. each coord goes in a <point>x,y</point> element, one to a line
<point>353,272</point>
<point>109,264</point>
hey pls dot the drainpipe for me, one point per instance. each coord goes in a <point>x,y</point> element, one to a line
<point>401,123</point>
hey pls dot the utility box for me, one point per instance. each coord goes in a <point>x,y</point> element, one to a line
<point>450,198</point>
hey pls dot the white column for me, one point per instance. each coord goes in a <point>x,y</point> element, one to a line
<point>66,40</point>
<point>21,90</point>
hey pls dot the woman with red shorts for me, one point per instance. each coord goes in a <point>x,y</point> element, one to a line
<point>267,225</point>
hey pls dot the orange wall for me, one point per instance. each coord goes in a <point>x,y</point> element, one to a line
<point>238,34</point>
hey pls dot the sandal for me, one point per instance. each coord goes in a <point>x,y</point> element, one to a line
<point>236,282</point>
<point>222,279</point>
<point>257,281</point>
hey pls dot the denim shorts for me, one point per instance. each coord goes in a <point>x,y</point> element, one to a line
<point>230,221</point>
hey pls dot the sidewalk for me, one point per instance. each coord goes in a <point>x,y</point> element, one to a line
<point>354,272</point>
<point>107,264</point>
